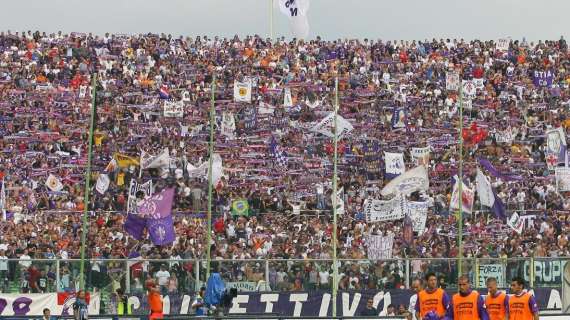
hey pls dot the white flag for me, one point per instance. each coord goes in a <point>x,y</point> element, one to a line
<point>421,156</point>
<point>265,108</point>
<point>412,180</point>
<point>134,188</point>
<point>339,201</point>
<point>294,8</point>
<point>484,190</point>
<point>467,198</point>
<point>299,27</point>
<point>217,169</point>
<point>159,161</point>
<point>242,91</point>
<point>228,125</point>
<point>516,223</point>
<point>53,183</point>
<point>394,163</point>
<point>3,202</point>
<point>287,100</point>
<point>326,126</point>
<point>102,183</point>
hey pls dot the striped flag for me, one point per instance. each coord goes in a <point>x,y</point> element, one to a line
<point>277,154</point>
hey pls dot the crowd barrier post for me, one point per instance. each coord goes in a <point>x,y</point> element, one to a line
<point>476,274</point>
<point>127,278</point>
<point>267,272</point>
<point>57,275</point>
<point>531,271</point>
<point>197,274</point>
<point>407,272</point>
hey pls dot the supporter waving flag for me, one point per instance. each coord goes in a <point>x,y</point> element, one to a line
<point>278,155</point>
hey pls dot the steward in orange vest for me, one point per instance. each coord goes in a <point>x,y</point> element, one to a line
<point>522,305</point>
<point>467,304</point>
<point>432,299</point>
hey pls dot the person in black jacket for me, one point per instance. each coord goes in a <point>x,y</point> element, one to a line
<point>369,310</point>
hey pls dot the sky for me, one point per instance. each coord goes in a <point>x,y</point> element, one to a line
<point>331,19</point>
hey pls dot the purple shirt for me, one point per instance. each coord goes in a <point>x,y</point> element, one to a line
<point>482,310</point>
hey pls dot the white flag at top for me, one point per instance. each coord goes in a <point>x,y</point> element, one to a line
<point>242,91</point>
<point>296,11</point>
<point>467,197</point>
<point>53,183</point>
<point>484,190</point>
<point>102,183</point>
<point>294,8</point>
<point>3,201</point>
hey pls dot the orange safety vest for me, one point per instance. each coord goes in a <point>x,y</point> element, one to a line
<point>496,306</point>
<point>431,302</point>
<point>519,308</point>
<point>155,302</point>
<point>465,308</point>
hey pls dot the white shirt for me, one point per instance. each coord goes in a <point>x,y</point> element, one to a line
<point>3,264</point>
<point>25,261</point>
<point>324,277</point>
<point>412,306</point>
<point>162,277</point>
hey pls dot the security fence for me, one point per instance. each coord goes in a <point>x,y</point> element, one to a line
<point>282,280</point>
<point>188,275</point>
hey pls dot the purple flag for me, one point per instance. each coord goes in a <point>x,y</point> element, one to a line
<point>158,209</point>
<point>161,230</point>
<point>499,207</point>
<point>157,206</point>
<point>134,226</point>
<point>496,173</point>
<point>543,78</point>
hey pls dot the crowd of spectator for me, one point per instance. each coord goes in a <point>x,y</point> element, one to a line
<point>45,108</point>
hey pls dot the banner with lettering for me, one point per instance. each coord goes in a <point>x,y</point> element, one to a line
<point>543,78</point>
<point>380,247</point>
<point>384,210</point>
<point>491,271</point>
<point>421,156</point>
<point>301,304</point>
<point>33,304</point>
<point>315,303</point>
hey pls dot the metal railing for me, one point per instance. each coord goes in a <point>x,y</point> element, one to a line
<point>188,275</point>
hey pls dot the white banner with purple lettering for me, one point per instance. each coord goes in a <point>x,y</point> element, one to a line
<point>380,247</point>
<point>384,210</point>
<point>173,109</point>
<point>417,211</point>
<point>394,164</point>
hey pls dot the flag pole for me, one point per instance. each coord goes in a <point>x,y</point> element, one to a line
<point>210,182</point>
<point>335,200</point>
<point>460,218</point>
<point>87,181</point>
<point>271,19</point>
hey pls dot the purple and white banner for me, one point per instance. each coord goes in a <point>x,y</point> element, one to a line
<point>313,304</point>
<point>543,78</point>
<point>34,304</point>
